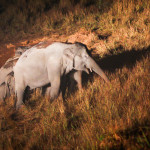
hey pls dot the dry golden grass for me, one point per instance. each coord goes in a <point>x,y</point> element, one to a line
<point>100,116</point>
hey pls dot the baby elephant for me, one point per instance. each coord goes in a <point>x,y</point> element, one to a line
<point>40,66</point>
<point>7,88</point>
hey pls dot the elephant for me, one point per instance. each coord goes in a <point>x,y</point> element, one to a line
<point>38,67</point>
<point>7,88</point>
<point>21,49</point>
<point>10,83</point>
<point>3,91</point>
<point>8,66</point>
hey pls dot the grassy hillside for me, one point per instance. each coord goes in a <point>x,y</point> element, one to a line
<point>101,116</point>
<point>124,20</point>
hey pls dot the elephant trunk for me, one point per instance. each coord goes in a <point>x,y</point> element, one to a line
<point>93,66</point>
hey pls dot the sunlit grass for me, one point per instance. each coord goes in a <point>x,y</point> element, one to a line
<point>99,116</point>
<point>44,19</point>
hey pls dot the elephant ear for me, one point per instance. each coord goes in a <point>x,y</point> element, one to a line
<point>68,58</point>
<point>69,53</point>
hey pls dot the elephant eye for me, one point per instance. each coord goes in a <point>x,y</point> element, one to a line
<point>86,56</point>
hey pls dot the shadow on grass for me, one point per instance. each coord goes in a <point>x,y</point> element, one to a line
<point>116,61</point>
<point>138,134</point>
<point>126,58</point>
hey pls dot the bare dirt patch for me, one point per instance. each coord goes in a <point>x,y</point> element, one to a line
<point>83,36</point>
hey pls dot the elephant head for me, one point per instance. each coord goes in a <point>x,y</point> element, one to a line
<point>78,59</point>
<point>7,68</point>
<point>20,50</point>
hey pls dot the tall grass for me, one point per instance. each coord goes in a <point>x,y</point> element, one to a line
<point>22,19</point>
<point>100,116</point>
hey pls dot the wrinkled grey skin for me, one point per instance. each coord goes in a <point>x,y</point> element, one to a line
<point>39,67</point>
<point>7,88</point>
<point>8,66</point>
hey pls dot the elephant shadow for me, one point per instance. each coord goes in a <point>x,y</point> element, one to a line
<point>127,58</point>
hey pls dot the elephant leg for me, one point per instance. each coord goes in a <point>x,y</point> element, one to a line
<point>54,76</point>
<point>2,92</point>
<point>55,88</point>
<point>47,91</point>
<point>7,91</point>
<point>20,93</point>
<point>77,76</point>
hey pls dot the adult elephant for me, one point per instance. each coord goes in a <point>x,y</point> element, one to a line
<point>9,64</point>
<point>40,66</point>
